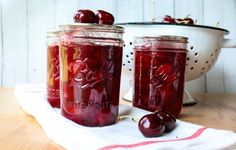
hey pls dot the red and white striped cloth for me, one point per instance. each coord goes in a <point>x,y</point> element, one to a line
<point>122,135</point>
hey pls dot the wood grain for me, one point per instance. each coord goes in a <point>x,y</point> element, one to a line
<point>21,131</point>
<point>18,130</point>
<point>213,110</point>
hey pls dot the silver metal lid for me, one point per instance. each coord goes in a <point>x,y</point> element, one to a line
<point>180,39</point>
<point>53,33</point>
<point>100,27</point>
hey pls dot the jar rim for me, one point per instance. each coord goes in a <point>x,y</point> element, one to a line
<point>53,33</point>
<point>172,38</point>
<point>78,26</point>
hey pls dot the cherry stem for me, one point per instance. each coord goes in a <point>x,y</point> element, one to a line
<point>188,16</point>
<point>135,119</point>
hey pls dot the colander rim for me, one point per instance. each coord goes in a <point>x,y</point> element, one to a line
<point>174,24</point>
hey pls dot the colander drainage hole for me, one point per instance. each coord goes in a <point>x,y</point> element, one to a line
<point>130,69</point>
<point>212,55</point>
<point>196,53</point>
<point>196,61</point>
<point>130,43</point>
<point>128,61</point>
<point>191,68</point>
<point>203,68</point>
<point>123,64</point>
<point>188,58</point>
<point>131,53</point>
<point>124,45</point>
<point>216,50</point>
<point>127,55</point>
<point>207,62</point>
<point>191,47</point>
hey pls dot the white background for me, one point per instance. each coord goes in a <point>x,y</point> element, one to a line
<point>23,24</point>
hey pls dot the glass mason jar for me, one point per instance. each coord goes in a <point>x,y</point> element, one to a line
<point>91,58</point>
<point>53,69</point>
<point>159,73</point>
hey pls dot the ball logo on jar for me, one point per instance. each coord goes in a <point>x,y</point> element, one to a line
<point>53,68</point>
<point>86,77</point>
<point>165,73</point>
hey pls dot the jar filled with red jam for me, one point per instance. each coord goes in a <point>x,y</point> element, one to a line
<point>159,73</point>
<point>91,58</point>
<point>53,69</point>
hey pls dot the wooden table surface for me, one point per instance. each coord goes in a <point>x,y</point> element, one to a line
<point>20,131</point>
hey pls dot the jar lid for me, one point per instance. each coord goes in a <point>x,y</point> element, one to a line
<point>180,39</point>
<point>53,33</point>
<point>90,26</point>
<point>95,31</point>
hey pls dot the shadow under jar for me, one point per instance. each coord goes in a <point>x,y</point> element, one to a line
<point>53,69</point>
<point>91,59</point>
<point>159,73</point>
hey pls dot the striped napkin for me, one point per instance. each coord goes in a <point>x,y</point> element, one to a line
<point>122,135</point>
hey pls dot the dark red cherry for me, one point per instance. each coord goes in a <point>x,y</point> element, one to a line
<point>188,21</point>
<point>151,125</point>
<point>103,17</point>
<point>84,16</point>
<point>168,119</point>
<point>168,19</point>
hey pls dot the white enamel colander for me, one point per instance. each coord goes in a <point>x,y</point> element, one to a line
<point>204,43</point>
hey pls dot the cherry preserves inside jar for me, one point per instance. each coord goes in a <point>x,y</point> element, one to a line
<point>159,73</point>
<point>91,58</point>
<point>53,69</point>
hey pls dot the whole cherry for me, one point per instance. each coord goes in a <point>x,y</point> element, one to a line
<point>84,16</point>
<point>151,125</point>
<point>188,20</point>
<point>103,17</point>
<point>168,19</point>
<point>168,119</point>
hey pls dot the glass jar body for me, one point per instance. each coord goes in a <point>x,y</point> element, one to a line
<point>159,73</point>
<point>90,81</point>
<point>53,69</point>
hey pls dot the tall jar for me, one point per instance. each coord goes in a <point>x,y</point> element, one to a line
<point>91,58</point>
<point>159,73</point>
<point>53,69</point>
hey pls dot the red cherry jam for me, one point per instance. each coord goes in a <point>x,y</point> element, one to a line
<point>91,70</point>
<point>159,73</point>
<point>53,69</point>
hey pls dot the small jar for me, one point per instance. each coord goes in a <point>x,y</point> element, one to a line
<point>159,73</point>
<point>53,69</point>
<point>91,58</point>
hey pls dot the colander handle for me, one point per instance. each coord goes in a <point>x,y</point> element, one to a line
<point>229,43</point>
